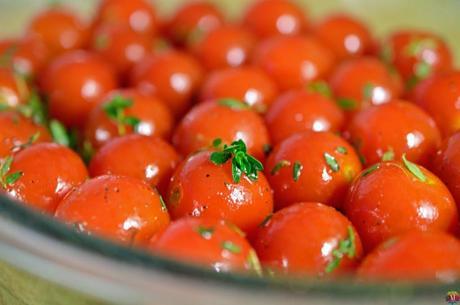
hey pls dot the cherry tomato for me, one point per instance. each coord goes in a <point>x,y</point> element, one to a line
<point>126,111</point>
<point>193,20</point>
<point>417,55</point>
<point>345,35</point>
<point>173,76</point>
<point>300,110</point>
<point>416,256</point>
<point>60,30</point>
<point>226,46</point>
<point>120,208</point>
<point>301,240</point>
<point>16,130</point>
<point>391,198</point>
<point>139,15</point>
<point>75,83</point>
<point>311,166</point>
<point>40,183</point>
<point>439,96</point>
<point>228,121</point>
<point>362,82</point>
<point>248,84</point>
<point>293,62</point>
<point>395,128</point>
<point>268,18</point>
<point>14,90</point>
<point>200,188</point>
<point>148,158</point>
<point>215,244</point>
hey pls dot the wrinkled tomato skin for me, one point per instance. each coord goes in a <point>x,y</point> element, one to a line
<point>416,256</point>
<point>155,118</point>
<point>294,240</point>
<point>49,172</point>
<point>298,111</point>
<point>398,126</point>
<point>75,83</point>
<point>248,84</point>
<point>182,240</point>
<point>200,188</point>
<point>439,96</point>
<point>316,181</point>
<point>267,18</point>
<point>390,200</point>
<point>173,76</point>
<point>209,121</point>
<point>308,60</point>
<point>120,208</point>
<point>16,130</point>
<point>147,158</point>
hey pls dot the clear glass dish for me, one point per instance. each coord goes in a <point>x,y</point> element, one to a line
<point>43,262</point>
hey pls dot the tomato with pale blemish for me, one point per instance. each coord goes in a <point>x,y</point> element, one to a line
<point>14,90</point>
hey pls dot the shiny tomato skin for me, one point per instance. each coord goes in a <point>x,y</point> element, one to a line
<point>299,110</point>
<point>139,15</point>
<point>317,179</point>
<point>120,208</point>
<point>14,90</point>
<point>16,130</point>
<point>148,158</point>
<point>173,76</point>
<point>267,18</point>
<point>60,30</point>
<point>185,240</point>
<point>299,240</point>
<point>200,188</point>
<point>224,47</point>
<point>345,35</point>
<point>398,126</point>
<point>43,184</point>
<point>308,60</point>
<point>439,96</point>
<point>75,83</point>
<point>208,121</point>
<point>416,256</point>
<point>248,84</point>
<point>389,200</point>
<point>366,81</point>
<point>155,118</point>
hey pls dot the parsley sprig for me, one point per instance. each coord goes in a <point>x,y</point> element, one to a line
<point>7,178</point>
<point>347,247</point>
<point>414,169</point>
<point>242,162</point>
<point>116,110</point>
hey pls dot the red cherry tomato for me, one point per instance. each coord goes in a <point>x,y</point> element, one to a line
<point>301,240</point>
<point>148,158</point>
<point>275,17</point>
<point>417,256</point>
<point>120,208</point>
<point>14,89</point>
<point>75,83</point>
<point>200,188</point>
<point>293,62</point>
<point>248,84</point>
<point>311,166</point>
<point>299,110</point>
<point>110,119</point>
<point>390,198</point>
<point>214,244</point>
<point>395,128</point>
<point>42,184</point>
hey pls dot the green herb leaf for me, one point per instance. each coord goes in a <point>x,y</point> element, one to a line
<point>368,89</point>
<point>369,170</point>
<point>387,54</point>
<point>320,87</point>
<point>132,121</point>
<point>389,155</point>
<point>87,151</point>
<point>296,170</point>
<point>205,232</point>
<point>347,104</point>
<point>233,104</point>
<point>267,148</point>
<point>341,150</point>
<point>278,166</point>
<point>6,58</point>
<point>11,179</point>
<point>217,142</point>
<point>32,139</point>
<point>254,263</point>
<point>6,165</point>
<point>332,162</point>
<point>266,220</point>
<point>231,247</point>
<point>422,70</point>
<point>418,45</point>
<point>414,169</point>
<point>59,133</point>
<point>164,208</point>
<point>346,247</point>
<point>34,109</point>
<point>115,110</point>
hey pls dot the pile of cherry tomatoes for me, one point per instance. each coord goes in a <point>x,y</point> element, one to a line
<point>273,144</point>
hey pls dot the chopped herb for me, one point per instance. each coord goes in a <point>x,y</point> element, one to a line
<point>346,247</point>
<point>387,54</point>
<point>369,170</point>
<point>164,208</point>
<point>278,166</point>
<point>34,109</point>
<point>266,220</point>
<point>235,229</point>
<point>32,139</point>
<point>389,155</point>
<point>320,87</point>
<point>217,142</point>
<point>6,57</point>
<point>233,104</point>
<point>417,46</point>
<point>296,170</point>
<point>59,133</point>
<point>254,263</point>
<point>347,104</point>
<point>341,150</point>
<point>361,157</point>
<point>115,109</point>
<point>414,169</point>
<point>101,42</point>
<point>87,151</point>
<point>175,196</point>
<point>205,232</point>
<point>332,162</point>
<point>231,247</point>
<point>422,70</point>
<point>3,105</point>
<point>368,89</point>
<point>12,178</point>
<point>242,162</point>
<point>7,178</point>
<point>267,148</point>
